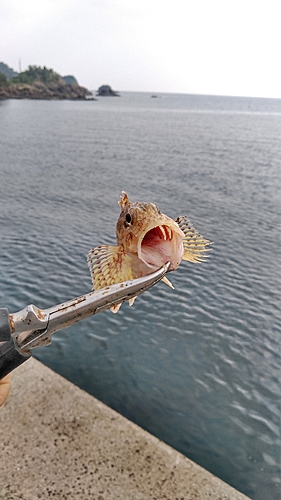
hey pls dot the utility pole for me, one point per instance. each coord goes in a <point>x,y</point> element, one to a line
<point>19,65</point>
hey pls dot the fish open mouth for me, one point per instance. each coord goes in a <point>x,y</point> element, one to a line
<point>161,244</point>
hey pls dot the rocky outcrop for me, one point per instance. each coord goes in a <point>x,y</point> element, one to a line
<point>106,90</point>
<point>39,90</point>
<point>69,79</point>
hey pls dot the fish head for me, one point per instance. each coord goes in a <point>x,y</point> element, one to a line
<point>151,236</point>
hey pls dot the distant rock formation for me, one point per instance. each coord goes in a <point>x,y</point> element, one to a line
<point>51,91</point>
<point>40,83</point>
<point>70,80</point>
<point>106,90</point>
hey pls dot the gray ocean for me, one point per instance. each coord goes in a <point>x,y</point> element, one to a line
<point>197,366</point>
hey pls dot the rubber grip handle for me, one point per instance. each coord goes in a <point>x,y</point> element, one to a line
<point>10,355</point>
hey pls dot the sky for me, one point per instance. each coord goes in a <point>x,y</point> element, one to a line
<point>217,47</point>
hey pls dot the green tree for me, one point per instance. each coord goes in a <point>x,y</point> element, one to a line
<point>4,82</point>
<point>37,74</point>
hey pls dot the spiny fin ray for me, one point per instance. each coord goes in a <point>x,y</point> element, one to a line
<point>109,265</point>
<point>193,243</point>
<point>165,279</point>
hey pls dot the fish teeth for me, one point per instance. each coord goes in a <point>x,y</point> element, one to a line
<point>163,232</point>
<point>170,233</point>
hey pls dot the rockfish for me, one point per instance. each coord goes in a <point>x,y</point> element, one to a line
<point>146,240</point>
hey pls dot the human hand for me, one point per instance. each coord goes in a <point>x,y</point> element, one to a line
<point>4,388</point>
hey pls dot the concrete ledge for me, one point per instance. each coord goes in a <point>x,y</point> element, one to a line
<point>60,442</point>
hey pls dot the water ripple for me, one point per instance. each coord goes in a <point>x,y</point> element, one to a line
<point>198,366</point>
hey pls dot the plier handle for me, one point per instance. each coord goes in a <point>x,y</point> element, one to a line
<point>31,327</point>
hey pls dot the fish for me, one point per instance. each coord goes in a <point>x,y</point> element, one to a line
<point>146,240</point>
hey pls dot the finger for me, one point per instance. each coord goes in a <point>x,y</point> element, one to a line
<point>4,388</point>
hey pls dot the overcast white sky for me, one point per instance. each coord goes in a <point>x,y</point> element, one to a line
<point>223,47</point>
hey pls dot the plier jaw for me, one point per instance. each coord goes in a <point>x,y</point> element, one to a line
<point>32,327</point>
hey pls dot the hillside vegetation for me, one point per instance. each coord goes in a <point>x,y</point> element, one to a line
<point>37,74</point>
<point>39,83</point>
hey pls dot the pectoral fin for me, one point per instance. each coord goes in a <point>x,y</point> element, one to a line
<point>109,265</point>
<point>193,243</point>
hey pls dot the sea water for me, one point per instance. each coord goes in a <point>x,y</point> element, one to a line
<point>198,366</point>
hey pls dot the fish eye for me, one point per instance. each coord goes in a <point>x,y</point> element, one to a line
<point>128,218</point>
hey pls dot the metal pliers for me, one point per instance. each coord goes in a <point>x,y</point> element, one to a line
<point>31,327</point>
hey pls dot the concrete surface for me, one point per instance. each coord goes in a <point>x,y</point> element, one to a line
<point>59,442</point>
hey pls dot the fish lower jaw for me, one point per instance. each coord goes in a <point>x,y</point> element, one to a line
<point>159,245</point>
<point>152,266</point>
<point>156,257</point>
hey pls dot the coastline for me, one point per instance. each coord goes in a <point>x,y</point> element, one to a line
<point>39,90</point>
